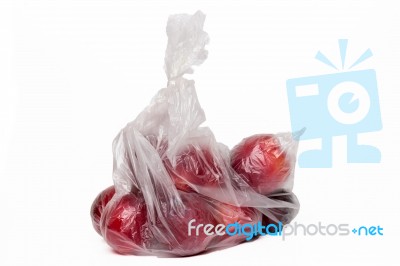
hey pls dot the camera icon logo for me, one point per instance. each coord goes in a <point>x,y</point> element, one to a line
<point>344,103</point>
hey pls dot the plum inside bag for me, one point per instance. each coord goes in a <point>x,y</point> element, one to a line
<point>171,175</point>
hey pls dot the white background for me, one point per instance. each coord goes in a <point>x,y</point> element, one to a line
<point>73,73</point>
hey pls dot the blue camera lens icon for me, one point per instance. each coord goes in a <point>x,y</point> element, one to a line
<point>344,103</point>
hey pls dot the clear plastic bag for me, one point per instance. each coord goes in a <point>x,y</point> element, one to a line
<point>171,175</point>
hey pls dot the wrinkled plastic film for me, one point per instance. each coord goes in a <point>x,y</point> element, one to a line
<point>167,169</point>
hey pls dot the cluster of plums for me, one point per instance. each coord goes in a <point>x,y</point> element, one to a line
<point>260,161</point>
